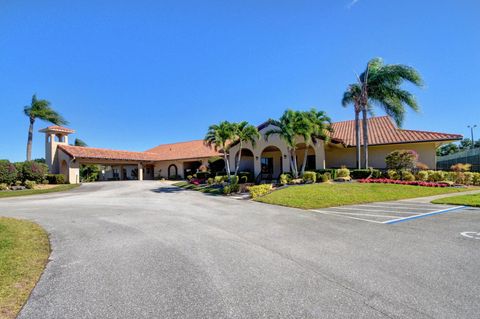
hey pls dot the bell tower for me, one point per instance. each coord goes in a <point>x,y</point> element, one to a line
<point>54,136</point>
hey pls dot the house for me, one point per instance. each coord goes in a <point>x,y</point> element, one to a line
<point>268,156</point>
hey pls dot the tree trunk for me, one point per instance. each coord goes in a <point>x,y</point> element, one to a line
<point>365,136</point>
<point>357,139</point>
<point>304,161</point>
<point>237,166</point>
<point>227,164</point>
<point>294,160</point>
<point>30,139</point>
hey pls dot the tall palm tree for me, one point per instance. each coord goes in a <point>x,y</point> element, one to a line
<point>318,128</point>
<point>219,136</point>
<point>244,133</point>
<point>380,85</point>
<point>40,109</point>
<point>79,142</point>
<point>352,96</point>
<point>287,128</point>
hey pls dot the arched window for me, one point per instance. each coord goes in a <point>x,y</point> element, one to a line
<point>172,170</point>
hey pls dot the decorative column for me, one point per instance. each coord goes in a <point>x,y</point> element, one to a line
<point>140,172</point>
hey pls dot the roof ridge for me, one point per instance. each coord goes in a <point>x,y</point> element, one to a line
<point>101,148</point>
<point>370,118</point>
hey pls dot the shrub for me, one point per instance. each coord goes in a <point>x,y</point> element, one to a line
<point>210,181</point>
<point>401,159</point>
<point>30,184</point>
<point>8,172</point>
<point>260,190</point>
<point>45,182</point>
<point>467,178</point>
<point>245,177</point>
<point>365,173</point>
<point>3,187</point>
<point>285,179</point>
<point>476,179</point>
<point>219,179</point>
<point>422,176</point>
<point>436,176</point>
<point>189,177</point>
<point>234,179</point>
<point>323,178</point>
<point>203,175</point>
<point>227,189</point>
<point>18,183</point>
<point>393,174</point>
<point>55,178</point>
<point>31,171</point>
<point>309,177</point>
<point>343,172</point>
<point>459,167</point>
<point>331,171</point>
<point>407,176</point>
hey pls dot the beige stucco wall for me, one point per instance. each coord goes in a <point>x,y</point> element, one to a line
<point>337,157</point>
<point>161,168</point>
<point>72,173</point>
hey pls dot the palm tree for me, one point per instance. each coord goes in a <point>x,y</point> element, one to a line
<point>244,132</point>
<point>287,130</point>
<point>79,142</point>
<point>352,96</point>
<point>318,128</point>
<point>40,109</point>
<point>219,136</point>
<point>379,85</point>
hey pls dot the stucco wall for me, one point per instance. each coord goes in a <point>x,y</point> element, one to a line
<point>72,174</point>
<point>161,168</point>
<point>336,157</point>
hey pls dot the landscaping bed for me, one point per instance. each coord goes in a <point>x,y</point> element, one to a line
<point>39,189</point>
<point>465,200</point>
<point>338,194</point>
<point>24,251</point>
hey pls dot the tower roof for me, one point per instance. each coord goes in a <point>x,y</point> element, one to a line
<point>57,129</point>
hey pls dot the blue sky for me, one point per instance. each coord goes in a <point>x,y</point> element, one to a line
<point>131,75</point>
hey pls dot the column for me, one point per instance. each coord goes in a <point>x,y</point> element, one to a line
<point>140,172</point>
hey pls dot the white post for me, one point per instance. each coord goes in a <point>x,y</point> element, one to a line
<point>140,172</point>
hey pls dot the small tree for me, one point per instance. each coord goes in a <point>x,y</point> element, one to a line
<point>219,136</point>
<point>8,172</point>
<point>31,171</point>
<point>401,160</point>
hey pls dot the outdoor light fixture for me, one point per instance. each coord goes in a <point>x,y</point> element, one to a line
<point>471,127</point>
<point>285,156</point>
<point>256,157</point>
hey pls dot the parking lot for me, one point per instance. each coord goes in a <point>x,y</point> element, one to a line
<point>389,212</point>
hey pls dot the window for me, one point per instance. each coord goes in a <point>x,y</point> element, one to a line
<point>267,165</point>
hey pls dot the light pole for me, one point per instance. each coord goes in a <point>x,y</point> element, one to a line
<point>471,127</point>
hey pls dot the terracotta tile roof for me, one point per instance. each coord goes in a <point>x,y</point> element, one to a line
<point>382,130</point>
<point>102,153</point>
<point>56,128</point>
<point>183,150</point>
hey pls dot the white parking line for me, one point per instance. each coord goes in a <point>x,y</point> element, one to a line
<point>374,211</point>
<point>398,220</point>
<point>328,213</point>
<point>373,215</point>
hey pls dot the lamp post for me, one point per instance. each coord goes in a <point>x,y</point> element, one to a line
<point>471,127</point>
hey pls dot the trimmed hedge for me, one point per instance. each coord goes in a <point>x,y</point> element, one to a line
<point>8,172</point>
<point>331,171</point>
<point>260,190</point>
<point>55,178</point>
<point>365,173</point>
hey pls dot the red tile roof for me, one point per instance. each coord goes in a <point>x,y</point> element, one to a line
<point>106,154</point>
<point>382,130</point>
<point>183,150</point>
<point>56,128</point>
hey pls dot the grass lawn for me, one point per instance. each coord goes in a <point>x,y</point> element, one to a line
<point>336,194</point>
<point>466,200</point>
<point>58,188</point>
<point>24,251</point>
<point>209,189</point>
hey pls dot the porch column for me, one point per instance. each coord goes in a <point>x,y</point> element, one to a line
<point>121,173</point>
<point>140,172</point>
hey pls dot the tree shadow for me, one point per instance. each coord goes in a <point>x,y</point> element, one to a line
<point>168,190</point>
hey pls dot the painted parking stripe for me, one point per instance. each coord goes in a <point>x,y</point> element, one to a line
<point>412,206</point>
<point>390,211</point>
<point>351,217</point>
<point>404,219</point>
<point>360,214</point>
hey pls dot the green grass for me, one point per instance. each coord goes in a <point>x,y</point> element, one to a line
<point>24,251</point>
<point>466,200</point>
<point>208,189</point>
<point>328,195</point>
<point>25,192</point>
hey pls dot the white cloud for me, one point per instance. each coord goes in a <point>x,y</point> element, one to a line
<point>352,3</point>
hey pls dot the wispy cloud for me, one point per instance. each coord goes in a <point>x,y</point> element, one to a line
<point>352,3</point>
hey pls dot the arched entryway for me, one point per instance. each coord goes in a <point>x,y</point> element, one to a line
<point>247,161</point>
<point>172,171</point>
<point>271,162</point>
<point>310,157</point>
<point>64,169</point>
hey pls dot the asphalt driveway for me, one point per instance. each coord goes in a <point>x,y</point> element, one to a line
<point>150,250</point>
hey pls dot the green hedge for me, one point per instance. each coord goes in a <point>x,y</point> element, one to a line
<point>364,173</point>
<point>331,171</point>
<point>55,178</point>
<point>31,171</point>
<point>8,172</point>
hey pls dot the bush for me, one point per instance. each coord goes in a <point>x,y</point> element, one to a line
<point>436,176</point>
<point>203,175</point>
<point>343,172</point>
<point>407,176</point>
<point>331,171</point>
<point>309,177</point>
<point>476,179</point>
<point>45,182</point>
<point>31,171</point>
<point>422,176</point>
<point>219,179</point>
<point>260,190</point>
<point>393,174</point>
<point>285,179</point>
<point>55,178</point>
<point>365,173</point>
<point>323,178</point>
<point>189,177</point>
<point>30,184</point>
<point>245,177</point>
<point>401,160</point>
<point>459,167</point>
<point>8,172</point>
<point>210,181</point>
<point>3,187</point>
